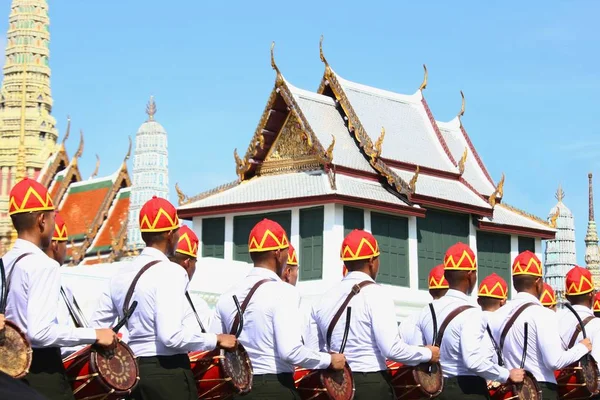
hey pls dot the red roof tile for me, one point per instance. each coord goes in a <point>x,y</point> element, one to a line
<point>82,204</point>
<point>112,225</point>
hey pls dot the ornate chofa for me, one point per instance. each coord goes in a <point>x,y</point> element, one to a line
<point>379,143</point>
<point>182,197</point>
<point>498,193</point>
<point>425,76</point>
<point>79,151</point>
<point>67,133</point>
<point>97,168</point>
<point>463,160</point>
<point>413,182</point>
<point>462,105</point>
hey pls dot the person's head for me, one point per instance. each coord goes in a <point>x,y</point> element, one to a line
<point>32,212</point>
<point>57,249</point>
<point>290,272</point>
<point>186,253</point>
<point>438,285</point>
<point>492,293</point>
<point>460,268</point>
<point>548,297</point>
<point>527,274</point>
<point>360,252</point>
<point>268,246</point>
<point>580,287</point>
<point>596,307</point>
<point>159,225</point>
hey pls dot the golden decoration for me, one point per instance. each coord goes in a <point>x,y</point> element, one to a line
<point>97,168</point>
<point>261,141</point>
<point>321,54</point>
<point>180,195</point>
<point>239,165</point>
<point>560,194</point>
<point>525,214</point>
<point>412,185</point>
<point>498,192</point>
<point>463,160</point>
<point>329,152</point>
<point>79,151</point>
<point>67,132</point>
<point>554,217</point>
<point>379,143</point>
<point>462,105</point>
<point>128,151</point>
<point>501,186</point>
<point>424,83</point>
<point>279,79</point>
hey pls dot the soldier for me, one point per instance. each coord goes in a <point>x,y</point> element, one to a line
<point>548,297</point>
<point>464,356</point>
<point>373,335</point>
<point>491,295</point>
<point>580,293</point>
<point>272,322</point>
<point>33,298</point>
<point>597,305</point>
<point>545,352</point>
<point>438,286</point>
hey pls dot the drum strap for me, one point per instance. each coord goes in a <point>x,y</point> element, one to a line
<point>449,318</point>
<point>511,321</point>
<point>355,290</point>
<point>10,274</point>
<point>236,320</point>
<point>578,330</point>
<point>134,282</point>
<point>496,348</point>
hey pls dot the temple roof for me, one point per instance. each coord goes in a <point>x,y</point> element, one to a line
<point>512,217</point>
<point>112,227</point>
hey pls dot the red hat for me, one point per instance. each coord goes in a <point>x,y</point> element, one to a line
<point>527,263</point>
<point>60,229</point>
<point>548,297</point>
<point>359,245</point>
<point>188,242</point>
<point>493,286</point>
<point>437,279</point>
<point>460,257</point>
<point>292,257</point>
<point>158,215</point>
<point>267,235</point>
<point>27,196</point>
<point>596,302</point>
<point>579,281</point>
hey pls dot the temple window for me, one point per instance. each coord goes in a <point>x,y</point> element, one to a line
<point>213,237</point>
<point>493,255</point>
<point>391,233</point>
<point>311,243</point>
<point>354,218</point>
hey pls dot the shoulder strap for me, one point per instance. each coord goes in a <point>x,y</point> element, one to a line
<point>511,321</point>
<point>134,282</point>
<point>578,330</point>
<point>449,318</point>
<point>189,299</point>
<point>8,278</point>
<point>355,290</point>
<point>236,320</point>
<point>496,348</point>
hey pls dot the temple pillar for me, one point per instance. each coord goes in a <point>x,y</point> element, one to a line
<point>413,255</point>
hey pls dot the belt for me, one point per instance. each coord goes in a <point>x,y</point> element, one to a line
<point>169,362</point>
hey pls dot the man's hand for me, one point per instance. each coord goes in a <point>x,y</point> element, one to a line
<point>2,319</point>
<point>338,361</point>
<point>587,343</point>
<point>227,342</point>
<point>106,338</point>
<point>516,375</point>
<point>435,354</point>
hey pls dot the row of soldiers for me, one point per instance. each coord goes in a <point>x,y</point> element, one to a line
<point>163,328</point>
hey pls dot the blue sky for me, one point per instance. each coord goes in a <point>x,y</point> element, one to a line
<point>529,71</point>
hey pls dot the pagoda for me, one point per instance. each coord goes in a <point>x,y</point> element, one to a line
<point>592,254</point>
<point>560,254</point>
<point>354,156</point>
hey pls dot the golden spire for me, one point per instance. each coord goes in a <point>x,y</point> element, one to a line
<point>462,106</point>
<point>151,109</point>
<point>424,83</point>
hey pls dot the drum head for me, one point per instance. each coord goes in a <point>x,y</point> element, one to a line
<point>529,390</point>
<point>589,370</point>
<point>236,365</point>
<point>15,354</point>
<point>119,371</point>
<point>430,378</point>
<point>339,384</point>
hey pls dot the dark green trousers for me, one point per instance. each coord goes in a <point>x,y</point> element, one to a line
<point>14,389</point>
<point>166,378</point>
<point>47,374</point>
<point>464,388</point>
<point>549,391</point>
<point>373,385</point>
<point>272,387</point>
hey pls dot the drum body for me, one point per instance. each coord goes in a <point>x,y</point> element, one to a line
<point>424,381</point>
<point>528,390</point>
<point>578,380</point>
<point>220,374</point>
<point>324,384</point>
<point>15,353</point>
<point>93,374</point>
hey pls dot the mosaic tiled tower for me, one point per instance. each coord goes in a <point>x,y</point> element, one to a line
<point>592,254</point>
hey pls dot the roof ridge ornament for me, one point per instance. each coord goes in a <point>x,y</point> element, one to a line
<point>79,151</point>
<point>555,217</point>
<point>97,168</point>
<point>329,151</point>
<point>239,165</point>
<point>379,143</point>
<point>424,83</point>
<point>462,105</point>
<point>67,132</point>
<point>151,109</point>
<point>498,192</point>
<point>128,153</point>
<point>274,65</point>
<point>321,54</point>
<point>182,197</point>
<point>412,185</point>
<point>463,160</point>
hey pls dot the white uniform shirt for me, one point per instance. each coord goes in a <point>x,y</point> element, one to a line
<point>34,298</point>
<point>64,318</point>
<point>462,351</point>
<point>156,326</point>
<point>272,325</point>
<point>409,331</point>
<point>373,336</point>
<point>545,352</point>
<point>487,340</point>
<point>568,323</point>
<point>310,332</point>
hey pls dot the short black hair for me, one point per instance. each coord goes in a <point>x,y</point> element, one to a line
<point>259,256</point>
<point>454,276</point>
<point>178,258</point>
<point>25,221</point>
<point>524,282</point>
<point>578,298</point>
<point>151,238</point>
<point>488,302</point>
<point>356,265</point>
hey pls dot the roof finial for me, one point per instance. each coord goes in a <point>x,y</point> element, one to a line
<point>591,217</point>
<point>151,109</point>
<point>321,54</point>
<point>95,173</point>
<point>273,64</point>
<point>462,106</point>
<point>180,195</point>
<point>67,132</point>
<point>128,152</point>
<point>560,194</point>
<point>79,152</point>
<point>379,143</point>
<point>412,185</point>
<point>424,83</point>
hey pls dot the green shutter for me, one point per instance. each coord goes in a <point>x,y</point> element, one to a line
<point>213,237</point>
<point>391,233</point>
<point>243,224</point>
<point>354,218</point>
<point>526,243</point>
<point>493,255</point>
<point>311,243</point>
<point>436,233</point>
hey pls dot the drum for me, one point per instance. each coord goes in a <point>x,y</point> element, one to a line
<point>528,390</point>
<point>220,374</point>
<point>424,381</point>
<point>15,352</point>
<point>578,380</point>
<point>95,375</point>
<point>324,384</point>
